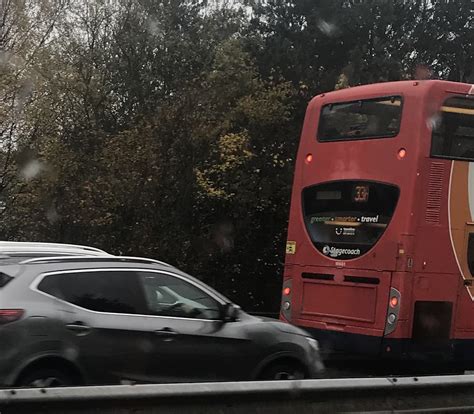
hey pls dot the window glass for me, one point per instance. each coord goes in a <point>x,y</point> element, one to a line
<point>107,291</point>
<point>4,279</point>
<point>453,130</point>
<point>470,253</point>
<point>370,118</point>
<point>171,296</point>
<point>346,218</point>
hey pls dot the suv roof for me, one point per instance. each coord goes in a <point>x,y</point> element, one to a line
<point>15,252</point>
<point>7,247</point>
<point>92,258</point>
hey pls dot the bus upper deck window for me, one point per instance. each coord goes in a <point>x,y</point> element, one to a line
<point>362,119</point>
<point>453,133</point>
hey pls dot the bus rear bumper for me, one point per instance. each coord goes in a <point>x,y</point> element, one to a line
<point>344,345</point>
<point>348,347</point>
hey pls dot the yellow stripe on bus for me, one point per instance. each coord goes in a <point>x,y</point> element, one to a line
<point>343,223</point>
<point>455,110</point>
<point>354,224</point>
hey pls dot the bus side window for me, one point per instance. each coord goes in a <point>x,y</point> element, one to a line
<point>453,131</point>
<point>470,253</point>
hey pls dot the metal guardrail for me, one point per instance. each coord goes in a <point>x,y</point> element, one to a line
<point>446,394</point>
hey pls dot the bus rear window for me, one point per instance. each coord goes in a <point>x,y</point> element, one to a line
<point>453,130</point>
<point>363,119</point>
<point>346,218</point>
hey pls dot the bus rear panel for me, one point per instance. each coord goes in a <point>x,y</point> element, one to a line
<point>371,268</point>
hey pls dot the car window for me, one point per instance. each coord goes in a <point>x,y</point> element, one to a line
<point>102,291</point>
<point>171,296</point>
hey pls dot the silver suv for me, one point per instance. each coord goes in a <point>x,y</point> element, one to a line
<point>103,319</point>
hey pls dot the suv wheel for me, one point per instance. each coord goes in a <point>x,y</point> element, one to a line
<point>45,378</point>
<point>283,371</point>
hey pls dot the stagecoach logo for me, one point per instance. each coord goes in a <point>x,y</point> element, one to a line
<point>335,252</point>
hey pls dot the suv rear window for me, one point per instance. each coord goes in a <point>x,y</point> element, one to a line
<point>362,119</point>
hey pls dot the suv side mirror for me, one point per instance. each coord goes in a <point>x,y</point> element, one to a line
<point>230,312</point>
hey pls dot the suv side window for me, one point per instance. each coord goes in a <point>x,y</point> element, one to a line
<point>102,291</point>
<point>172,296</point>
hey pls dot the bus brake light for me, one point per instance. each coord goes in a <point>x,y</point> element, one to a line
<point>393,311</point>
<point>402,152</point>
<point>286,291</point>
<point>309,158</point>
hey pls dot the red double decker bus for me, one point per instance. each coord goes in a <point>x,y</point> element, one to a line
<point>380,251</point>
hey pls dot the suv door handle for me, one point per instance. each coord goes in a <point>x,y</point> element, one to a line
<point>167,334</point>
<point>78,328</point>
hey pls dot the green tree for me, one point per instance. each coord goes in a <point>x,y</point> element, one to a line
<point>170,128</point>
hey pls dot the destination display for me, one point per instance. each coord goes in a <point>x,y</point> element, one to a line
<point>348,224</point>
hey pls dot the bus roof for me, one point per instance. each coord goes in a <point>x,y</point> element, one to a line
<point>394,88</point>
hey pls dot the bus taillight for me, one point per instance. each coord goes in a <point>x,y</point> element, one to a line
<point>286,300</point>
<point>402,152</point>
<point>393,311</point>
